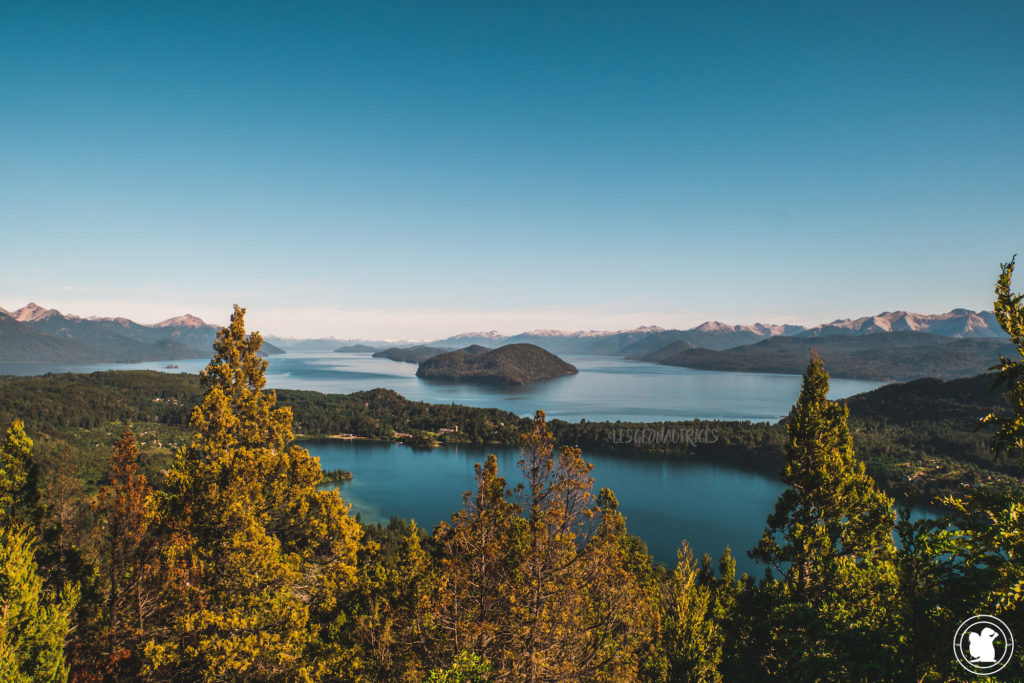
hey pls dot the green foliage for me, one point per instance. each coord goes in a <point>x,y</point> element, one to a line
<point>19,479</point>
<point>893,356</point>
<point>467,667</point>
<point>919,434</point>
<point>981,546</point>
<point>830,541</point>
<point>1009,311</point>
<point>831,507</point>
<point>390,610</point>
<point>253,547</point>
<point>509,364</point>
<point>33,622</point>
<point>692,624</point>
<point>335,476</point>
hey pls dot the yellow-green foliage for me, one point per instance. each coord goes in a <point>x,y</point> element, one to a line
<point>33,625</point>
<point>19,491</point>
<point>256,551</point>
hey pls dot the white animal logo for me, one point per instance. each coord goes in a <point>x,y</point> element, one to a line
<point>981,647</point>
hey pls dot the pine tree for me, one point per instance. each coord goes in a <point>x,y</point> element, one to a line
<point>830,540</point>
<point>256,553</point>
<point>697,609</point>
<point>477,608</point>
<point>832,507</point>
<point>390,610</point>
<point>124,512</point>
<point>539,581</point>
<point>985,537</point>
<point>1009,312</point>
<point>64,510</point>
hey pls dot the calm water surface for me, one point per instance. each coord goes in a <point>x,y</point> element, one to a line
<point>665,500</point>
<point>606,388</point>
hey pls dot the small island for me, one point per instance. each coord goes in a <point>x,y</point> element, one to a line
<point>357,348</point>
<point>411,354</point>
<point>511,364</point>
<point>335,476</point>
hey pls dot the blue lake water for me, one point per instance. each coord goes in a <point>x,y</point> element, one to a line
<point>665,499</point>
<point>606,388</point>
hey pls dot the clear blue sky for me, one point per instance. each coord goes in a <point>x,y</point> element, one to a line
<point>424,168</point>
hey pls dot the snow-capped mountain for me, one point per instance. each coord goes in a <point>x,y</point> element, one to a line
<point>960,323</point>
<point>187,320</point>
<point>36,333</point>
<point>714,334</point>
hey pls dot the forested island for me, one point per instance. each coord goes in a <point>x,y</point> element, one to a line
<point>356,348</point>
<point>410,354</point>
<point>509,364</point>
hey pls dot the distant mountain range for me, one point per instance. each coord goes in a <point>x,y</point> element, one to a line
<point>293,345</point>
<point>889,346</point>
<point>959,323</point>
<point>34,333</point>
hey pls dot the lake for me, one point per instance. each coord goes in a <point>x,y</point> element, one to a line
<point>665,499</point>
<point>606,388</point>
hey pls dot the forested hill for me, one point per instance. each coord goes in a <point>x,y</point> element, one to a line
<point>894,356</point>
<point>921,430</point>
<point>411,354</point>
<point>509,364</point>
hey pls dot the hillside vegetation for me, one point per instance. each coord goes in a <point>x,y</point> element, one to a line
<point>509,364</point>
<point>410,354</point>
<point>918,435</point>
<point>892,356</point>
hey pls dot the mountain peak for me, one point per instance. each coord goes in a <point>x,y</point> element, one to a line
<point>120,320</point>
<point>493,334</point>
<point>713,326</point>
<point>959,322</point>
<point>33,312</point>
<point>187,320</point>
